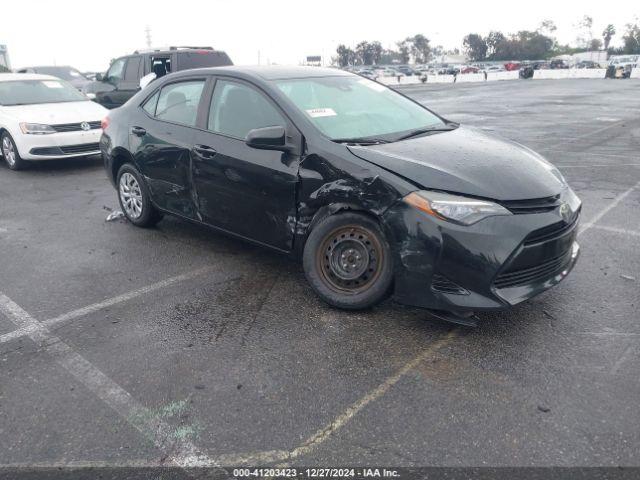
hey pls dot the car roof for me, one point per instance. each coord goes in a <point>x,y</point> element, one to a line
<point>7,77</point>
<point>269,72</point>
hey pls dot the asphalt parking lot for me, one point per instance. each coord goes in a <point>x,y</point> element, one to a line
<point>122,346</point>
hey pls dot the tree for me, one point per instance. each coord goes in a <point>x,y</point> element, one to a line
<point>346,56</point>
<point>363,53</point>
<point>596,44</point>
<point>585,34</point>
<point>419,47</point>
<point>403,49</point>
<point>376,51</point>
<point>494,43</point>
<point>547,27</point>
<point>631,38</point>
<point>607,35</point>
<point>475,47</point>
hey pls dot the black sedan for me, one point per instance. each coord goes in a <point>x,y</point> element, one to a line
<point>374,193</point>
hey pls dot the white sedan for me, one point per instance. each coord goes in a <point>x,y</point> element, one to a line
<point>43,118</point>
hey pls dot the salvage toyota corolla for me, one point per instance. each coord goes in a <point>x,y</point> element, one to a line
<point>374,192</point>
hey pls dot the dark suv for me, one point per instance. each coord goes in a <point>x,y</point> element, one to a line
<point>122,80</point>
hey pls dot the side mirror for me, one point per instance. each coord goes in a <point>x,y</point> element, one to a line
<point>267,138</point>
<point>99,77</point>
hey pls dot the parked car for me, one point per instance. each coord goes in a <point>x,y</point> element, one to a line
<point>69,74</point>
<point>622,65</point>
<point>559,64</point>
<point>370,189</point>
<point>390,72</point>
<point>494,68</point>
<point>122,80</point>
<point>469,69</point>
<point>408,71</point>
<point>367,73</point>
<point>43,117</point>
<point>587,64</point>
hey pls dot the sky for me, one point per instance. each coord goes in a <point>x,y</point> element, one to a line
<point>87,35</point>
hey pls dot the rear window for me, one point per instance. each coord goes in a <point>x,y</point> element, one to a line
<point>202,59</point>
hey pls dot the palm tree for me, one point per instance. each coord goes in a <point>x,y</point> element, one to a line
<point>607,34</point>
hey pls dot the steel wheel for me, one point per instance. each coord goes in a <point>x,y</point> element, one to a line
<point>130,195</point>
<point>350,259</point>
<point>8,151</point>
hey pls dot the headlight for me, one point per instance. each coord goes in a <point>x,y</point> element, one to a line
<point>36,129</point>
<point>90,95</point>
<point>461,210</point>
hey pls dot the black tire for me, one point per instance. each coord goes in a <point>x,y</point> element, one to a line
<point>7,141</point>
<point>148,215</point>
<point>347,261</point>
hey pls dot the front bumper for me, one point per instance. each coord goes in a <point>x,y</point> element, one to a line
<point>491,265</point>
<point>58,145</point>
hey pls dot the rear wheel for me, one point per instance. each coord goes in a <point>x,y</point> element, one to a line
<point>135,199</point>
<point>347,261</point>
<point>10,152</point>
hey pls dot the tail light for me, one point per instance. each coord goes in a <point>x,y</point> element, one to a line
<point>104,123</point>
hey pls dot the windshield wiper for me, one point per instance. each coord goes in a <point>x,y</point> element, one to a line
<point>421,131</point>
<point>361,140</point>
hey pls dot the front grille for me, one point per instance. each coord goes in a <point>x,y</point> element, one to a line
<point>442,284</point>
<point>82,148</point>
<point>536,205</point>
<point>75,127</point>
<point>553,232</point>
<point>524,276</point>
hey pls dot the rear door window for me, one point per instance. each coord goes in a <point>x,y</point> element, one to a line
<point>178,102</point>
<point>150,105</point>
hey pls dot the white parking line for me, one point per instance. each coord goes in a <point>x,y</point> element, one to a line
<point>178,450</point>
<point>596,218</point>
<point>80,312</point>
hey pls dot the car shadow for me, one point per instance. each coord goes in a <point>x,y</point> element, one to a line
<point>60,165</point>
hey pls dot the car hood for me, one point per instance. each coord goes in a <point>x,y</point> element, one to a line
<point>55,113</point>
<point>467,161</point>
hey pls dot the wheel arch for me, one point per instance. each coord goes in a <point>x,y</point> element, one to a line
<point>328,210</point>
<point>119,157</point>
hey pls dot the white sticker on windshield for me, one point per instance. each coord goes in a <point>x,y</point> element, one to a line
<point>322,112</point>
<point>51,84</point>
<point>372,85</point>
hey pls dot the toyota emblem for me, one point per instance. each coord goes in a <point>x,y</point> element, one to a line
<point>85,126</point>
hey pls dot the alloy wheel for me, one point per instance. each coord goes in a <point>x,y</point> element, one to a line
<point>130,195</point>
<point>8,151</point>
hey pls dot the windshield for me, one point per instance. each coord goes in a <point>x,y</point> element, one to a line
<point>347,107</point>
<point>65,73</point>
<point>32,92</point>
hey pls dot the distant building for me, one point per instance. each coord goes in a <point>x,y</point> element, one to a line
<point>450,59</point>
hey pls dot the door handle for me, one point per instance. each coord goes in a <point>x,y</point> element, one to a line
<point>204,151</point>
<point>139,131</point>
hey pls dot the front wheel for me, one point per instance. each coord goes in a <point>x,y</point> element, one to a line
<point>10,152</point>
<point>135,199</point>
<point>348,262</point>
